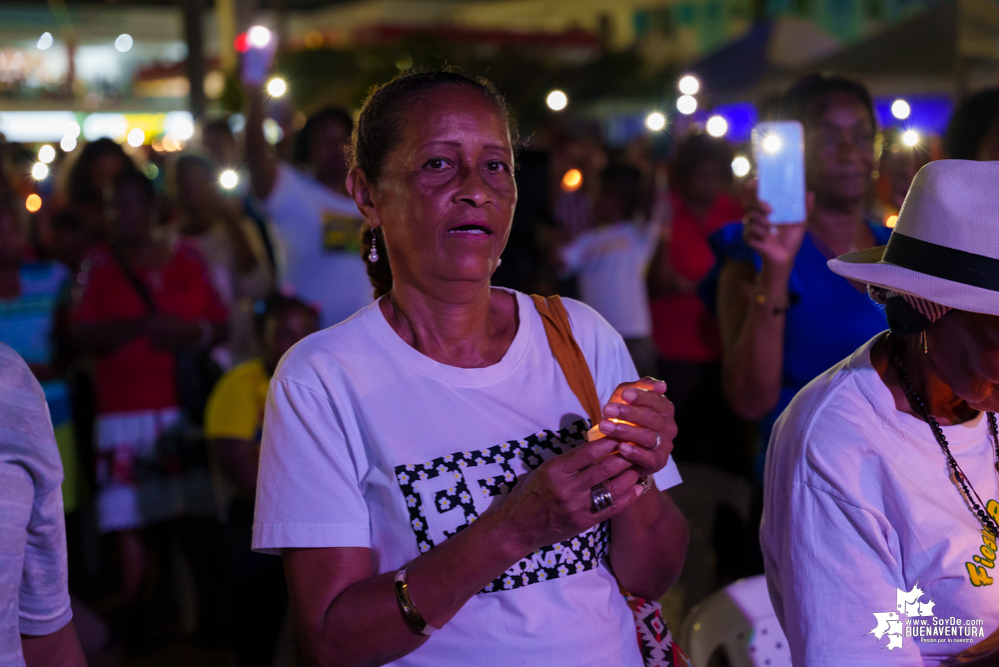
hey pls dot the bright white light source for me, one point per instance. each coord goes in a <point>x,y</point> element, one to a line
<point>689,85</point>
<point>910,138</point>
<point>771,143</point>
<point>276,87</point>
<point>717,126</point>
<point>228,179</point>
<point>136,137</point>
<point>900,109</point>
<point>180,124</point>
<point>40,171</point>
<point>740,166</point>
<point>45,41</point>
<point>68,144</point>
<point>556,100</point>
<point>123,43</point>
<point>72,130</point>
<point>46,154</point>
<point>655,121</point>
<point>272,131</point>
<point>258,36</point>
<point>686,104</point>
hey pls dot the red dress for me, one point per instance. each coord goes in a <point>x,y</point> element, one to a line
<point>138,376</point>
<point>682,327</point>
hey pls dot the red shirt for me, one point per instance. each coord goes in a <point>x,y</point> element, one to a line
<point>682,327</point>
<point>138,376</point>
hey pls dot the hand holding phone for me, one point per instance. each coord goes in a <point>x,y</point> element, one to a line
<point>261,45</point>
<point>779,149</point>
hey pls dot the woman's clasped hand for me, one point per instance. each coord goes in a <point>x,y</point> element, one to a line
<point>555,502</point>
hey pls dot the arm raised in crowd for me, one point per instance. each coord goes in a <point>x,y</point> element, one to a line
<point>752,308</point>
<point>262,165</point>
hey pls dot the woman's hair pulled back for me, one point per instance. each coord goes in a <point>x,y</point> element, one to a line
<point>379,130</point>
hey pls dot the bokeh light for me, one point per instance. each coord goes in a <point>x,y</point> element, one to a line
<point>557,100</point>
<point>572,180</point>
<point>910,138</point>
<point>900,109</point>
<point>686,104</point>
<point>136,137</point>
<point>45,41</point>
<point>740,166</point>
<point>40,171</point>
<point>891,221</point>
<point>717,126</point>
<point>68,144</point>
<point>33,203</point>
<point>771,143</point>
<point>228,179</point>
<point>46,154</point>
<point>276,87</point>
<point>123,43</point>
<point>655,121</point>
<point>689,85</point>
<point>258,36</point>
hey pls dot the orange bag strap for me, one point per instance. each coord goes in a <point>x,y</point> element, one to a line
<point>566,351</point>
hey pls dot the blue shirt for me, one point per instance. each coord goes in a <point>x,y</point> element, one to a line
<point>827,321</point>
<point>26,325</point>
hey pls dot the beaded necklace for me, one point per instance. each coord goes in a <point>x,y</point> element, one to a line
<point>920,408</point>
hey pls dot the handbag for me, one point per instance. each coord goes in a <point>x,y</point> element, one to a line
<point>195,372</point>
<point>655,641</point>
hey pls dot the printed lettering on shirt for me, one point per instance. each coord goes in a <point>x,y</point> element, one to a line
<point>985,560</point>
<point>446,495</point>
<point>341,233</point>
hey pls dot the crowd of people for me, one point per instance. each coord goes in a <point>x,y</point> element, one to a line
<point>421,466</point>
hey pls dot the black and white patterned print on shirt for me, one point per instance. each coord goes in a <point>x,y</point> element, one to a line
<point>446,495</point>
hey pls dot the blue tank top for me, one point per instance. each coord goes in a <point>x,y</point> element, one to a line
<point>827,321</point>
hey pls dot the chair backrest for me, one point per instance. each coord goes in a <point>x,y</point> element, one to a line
<point>740,619</point>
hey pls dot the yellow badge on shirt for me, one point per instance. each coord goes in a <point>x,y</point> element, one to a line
<point>341,233</point>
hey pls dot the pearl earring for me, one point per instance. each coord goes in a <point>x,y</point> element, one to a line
<point>373,253</point>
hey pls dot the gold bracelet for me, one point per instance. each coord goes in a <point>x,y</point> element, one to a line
<point>414,619</point>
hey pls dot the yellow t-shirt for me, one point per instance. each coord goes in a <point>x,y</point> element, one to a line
<point>236,406</point>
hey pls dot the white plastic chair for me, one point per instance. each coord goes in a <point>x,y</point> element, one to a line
<point>740,619</point>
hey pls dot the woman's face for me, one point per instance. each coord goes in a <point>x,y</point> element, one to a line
<point>965,352</point>
<point>839,149</point>
<point>105,169</point>
<point>707,182</point>
<point>446,194</point>
<point>131,212</point>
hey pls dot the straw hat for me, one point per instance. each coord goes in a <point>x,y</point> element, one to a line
<point>945,247</point>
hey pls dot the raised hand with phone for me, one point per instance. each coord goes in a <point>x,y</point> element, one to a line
<point>785,317</point>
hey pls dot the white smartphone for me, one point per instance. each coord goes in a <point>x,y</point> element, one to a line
<point>779,149</point>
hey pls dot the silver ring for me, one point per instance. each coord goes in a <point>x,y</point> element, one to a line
<point>600,497</point>
<point>659,441</point>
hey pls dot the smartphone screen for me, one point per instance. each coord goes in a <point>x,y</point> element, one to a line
<point>779,149</point>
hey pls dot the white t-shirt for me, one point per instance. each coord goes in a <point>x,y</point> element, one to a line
<point>369,443</point>
<point>860,508</point>
<point>611,263</point>
<point>319,232</point>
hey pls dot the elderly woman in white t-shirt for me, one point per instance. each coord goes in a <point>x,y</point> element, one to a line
<point>882,498</point>
<point>420,468</point>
